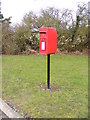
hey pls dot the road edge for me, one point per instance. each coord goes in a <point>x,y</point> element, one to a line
<point>8,110</point>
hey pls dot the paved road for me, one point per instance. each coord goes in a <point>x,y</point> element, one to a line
<point>2,115</point>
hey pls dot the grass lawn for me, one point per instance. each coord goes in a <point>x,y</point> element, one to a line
<point>22,77</point>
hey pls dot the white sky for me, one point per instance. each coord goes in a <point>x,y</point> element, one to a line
<point>18,8</point>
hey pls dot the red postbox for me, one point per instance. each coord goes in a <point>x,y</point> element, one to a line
<point>47,46</point>
<point>47,40</point>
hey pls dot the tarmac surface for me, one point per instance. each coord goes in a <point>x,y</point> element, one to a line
<point>7,112</point>
<point>2,115</point>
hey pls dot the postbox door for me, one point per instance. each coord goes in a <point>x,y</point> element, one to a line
<point>43,42</point>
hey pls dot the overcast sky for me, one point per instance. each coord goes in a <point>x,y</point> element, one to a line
<point>18,8</point>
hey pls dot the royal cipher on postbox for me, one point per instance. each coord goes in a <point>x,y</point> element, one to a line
<point>47,40</point>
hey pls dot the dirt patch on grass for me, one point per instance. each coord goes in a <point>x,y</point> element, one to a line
<point>53,87</point>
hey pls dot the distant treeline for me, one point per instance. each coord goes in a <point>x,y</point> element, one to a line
<point>72,34</point>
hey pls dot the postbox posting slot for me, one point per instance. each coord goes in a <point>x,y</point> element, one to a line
<point>43,32</point>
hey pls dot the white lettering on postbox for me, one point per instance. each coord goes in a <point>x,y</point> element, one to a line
<point>43,46</point>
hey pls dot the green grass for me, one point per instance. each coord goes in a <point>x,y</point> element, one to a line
<point>22,76</point>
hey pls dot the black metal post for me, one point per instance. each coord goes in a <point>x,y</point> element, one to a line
<point>48,71</point>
